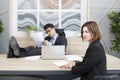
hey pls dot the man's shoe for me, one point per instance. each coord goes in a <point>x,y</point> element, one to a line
<point>14,46</point>
<point>10,53</point>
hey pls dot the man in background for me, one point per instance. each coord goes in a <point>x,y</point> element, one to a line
<point>55,37</point>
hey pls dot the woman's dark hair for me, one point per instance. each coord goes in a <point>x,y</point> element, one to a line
<point>49,25</point>
<point>93,28</point>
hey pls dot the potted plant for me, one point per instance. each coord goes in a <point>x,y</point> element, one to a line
<point>31,30</point>
<point>1,27</point>
<point>115,28</point>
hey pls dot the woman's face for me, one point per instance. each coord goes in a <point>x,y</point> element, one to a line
<point>86,34</point>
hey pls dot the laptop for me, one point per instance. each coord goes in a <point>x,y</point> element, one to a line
<point>54,52</point>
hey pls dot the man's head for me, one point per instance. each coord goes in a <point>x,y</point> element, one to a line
<point>50,29</point>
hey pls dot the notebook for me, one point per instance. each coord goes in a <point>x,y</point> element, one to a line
<point>53,52</point>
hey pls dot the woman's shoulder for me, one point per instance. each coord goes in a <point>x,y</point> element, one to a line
<point>96,44</point>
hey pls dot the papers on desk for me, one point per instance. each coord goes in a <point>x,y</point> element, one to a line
<point>60,63</point>
<point>73,57</point>
<point>69,58</point>
<point>33,58</point>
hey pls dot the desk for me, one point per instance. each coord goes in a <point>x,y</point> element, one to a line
<point>113,64</point>
<point>20,66</point>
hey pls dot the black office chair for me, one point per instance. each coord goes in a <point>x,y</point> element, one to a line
<point>60,32</point>
<point>108,77</point>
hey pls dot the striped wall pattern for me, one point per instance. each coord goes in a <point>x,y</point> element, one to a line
<point>62,13</point>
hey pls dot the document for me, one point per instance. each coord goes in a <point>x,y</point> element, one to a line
<point>32,58</point>
<point>38,38</point>
<point>68,59</point>
<point>60,63</point>
<point>73,57</point>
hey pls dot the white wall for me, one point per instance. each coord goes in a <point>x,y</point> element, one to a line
<point>99,10</point>
<point>4,17</point>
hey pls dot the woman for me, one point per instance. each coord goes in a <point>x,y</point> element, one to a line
<point>94,62</point>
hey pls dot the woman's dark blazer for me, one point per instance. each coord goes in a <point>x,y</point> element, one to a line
<point>93,64</point>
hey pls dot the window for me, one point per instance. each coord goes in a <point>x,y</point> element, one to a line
<point>64,14</point>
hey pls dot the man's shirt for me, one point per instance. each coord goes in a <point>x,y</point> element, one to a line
<point>53,39</point>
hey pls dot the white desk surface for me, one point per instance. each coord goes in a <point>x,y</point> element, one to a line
<point>20,64</point>
<point>112,62</point>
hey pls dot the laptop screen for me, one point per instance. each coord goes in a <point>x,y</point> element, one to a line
<point>53,52</point>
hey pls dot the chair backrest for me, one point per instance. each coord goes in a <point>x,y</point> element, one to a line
<point>108,77</point>
<point>60,32</point>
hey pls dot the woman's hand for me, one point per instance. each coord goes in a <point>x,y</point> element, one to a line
<point>69,65</point>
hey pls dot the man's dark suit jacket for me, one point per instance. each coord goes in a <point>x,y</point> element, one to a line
<point>93,64</point>
<point>61,40</point>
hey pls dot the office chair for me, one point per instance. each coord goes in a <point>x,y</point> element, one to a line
<point>107,77</point>
<point>60,32</point>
